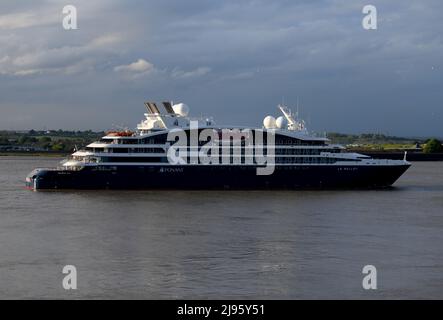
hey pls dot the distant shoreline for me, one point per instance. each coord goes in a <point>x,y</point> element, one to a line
<point>395,155</point>
<point>33,154</point>
<point>399,155</point>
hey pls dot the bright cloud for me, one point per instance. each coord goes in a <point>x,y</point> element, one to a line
<point>140,66</point>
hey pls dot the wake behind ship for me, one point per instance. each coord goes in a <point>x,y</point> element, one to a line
<point>169,150</point>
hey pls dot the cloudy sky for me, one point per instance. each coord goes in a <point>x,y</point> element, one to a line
<point>234,60</point>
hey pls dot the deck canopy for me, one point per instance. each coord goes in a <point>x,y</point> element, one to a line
<point>152,107</point>
<point>168,107</point>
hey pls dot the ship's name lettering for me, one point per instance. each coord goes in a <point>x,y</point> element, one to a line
<point>172,170</point>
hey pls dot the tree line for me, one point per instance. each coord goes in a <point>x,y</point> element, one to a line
<point>54,140</point>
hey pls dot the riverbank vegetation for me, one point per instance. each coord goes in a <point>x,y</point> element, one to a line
<point>380,142</point>
<point>60,142</point>
<point>52,141</point>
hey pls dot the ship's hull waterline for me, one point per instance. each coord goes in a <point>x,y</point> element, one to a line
<point>217,177</point>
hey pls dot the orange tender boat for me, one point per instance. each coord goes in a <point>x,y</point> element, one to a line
<point>120,133</point>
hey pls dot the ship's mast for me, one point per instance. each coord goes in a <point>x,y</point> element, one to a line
<point>293,122</point>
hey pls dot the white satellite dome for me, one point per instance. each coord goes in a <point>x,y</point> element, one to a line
<point>281,122</point>
<point>269,122</point>
<point>157,124</point>
<point>181,109</point>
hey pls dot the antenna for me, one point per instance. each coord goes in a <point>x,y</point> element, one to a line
<point>297,107</point>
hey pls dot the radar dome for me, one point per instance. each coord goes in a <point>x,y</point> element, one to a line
<point>281,122</point>
<point>269,122</point>
<point>157,124</point>
<point>181,109</point>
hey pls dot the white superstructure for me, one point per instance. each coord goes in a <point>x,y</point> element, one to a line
<point>148,145</point>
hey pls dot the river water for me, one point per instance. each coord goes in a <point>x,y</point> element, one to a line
<point>221,244</point>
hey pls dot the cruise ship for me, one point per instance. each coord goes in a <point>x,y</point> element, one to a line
<point>170,150</point>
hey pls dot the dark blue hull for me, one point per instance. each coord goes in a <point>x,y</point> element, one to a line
<point>218,177</point>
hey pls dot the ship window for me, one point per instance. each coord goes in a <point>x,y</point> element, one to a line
<point>121,150</point>
<point>136,159</point>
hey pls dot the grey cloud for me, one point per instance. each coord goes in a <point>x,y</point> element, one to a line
<point>62,59</point>
<point>198,72</point>
<point>232,59</point>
